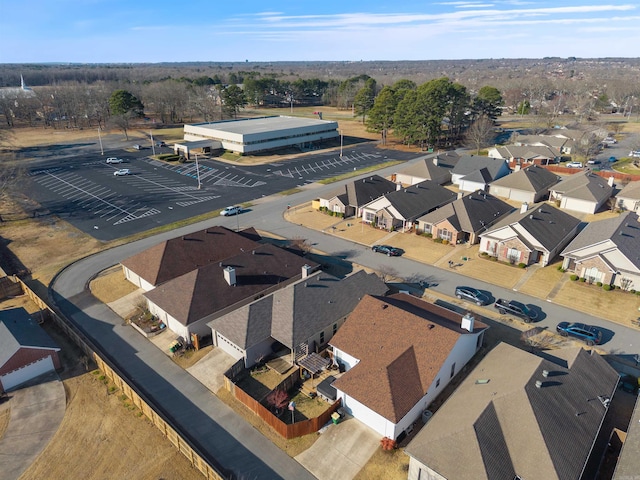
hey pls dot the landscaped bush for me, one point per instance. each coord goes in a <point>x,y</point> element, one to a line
<point>445,241</point>
<point>606,287</point>
<point>484,254</point>
<point>632,291</point>
<point>599,284</point>
<point>522,265</point>
<point>437,240</point>
<point>573,278</point>
<point>582,279</point>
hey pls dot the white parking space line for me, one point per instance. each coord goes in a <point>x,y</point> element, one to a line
<point>72,190</point>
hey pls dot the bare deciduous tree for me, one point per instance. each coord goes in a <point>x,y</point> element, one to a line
<point>480,134</point>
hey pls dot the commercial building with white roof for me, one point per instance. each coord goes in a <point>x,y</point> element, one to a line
<point>253,135</point>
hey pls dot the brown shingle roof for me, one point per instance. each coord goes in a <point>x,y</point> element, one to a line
<point>175,257</point>
<point>402,343</point>
<point>204,292</point>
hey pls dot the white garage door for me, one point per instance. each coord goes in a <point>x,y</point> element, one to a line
<point>25,374</point>
<point>229,347</point>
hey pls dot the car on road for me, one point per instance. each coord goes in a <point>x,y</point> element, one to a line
<point>138,147</point>
<point>612,159</point>
<point>387,250</point>
<point>516,308</point>
<point>609,141</point>
<point>232,210</point>
<point>593,161</point>
<point>161,144</point>
<point>574,165</point>
<point>122,171</point>
<point>634,153</point>
<point>114,160</point>
<point>473,295</point>
<point>589,334</point>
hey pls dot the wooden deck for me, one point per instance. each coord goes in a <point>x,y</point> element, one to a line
<point>308,387</point>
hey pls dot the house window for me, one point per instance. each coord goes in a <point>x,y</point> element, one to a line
<point>479,341</point>
<point>321,337</point>
<point>445,234</point>
<point>453,370</point>
<point>335,328</point>
<point>513,255</point>
<point>437,383</point>
<point>592,275</point>
<point>427,228</point>
<point>368,217</point>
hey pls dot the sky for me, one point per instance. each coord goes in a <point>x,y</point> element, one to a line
<point>145,31</point>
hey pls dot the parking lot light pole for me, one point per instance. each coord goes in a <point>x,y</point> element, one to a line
<point>100,139</point>
<point>198,172</point>
<point>341,143</point>
<point>153,145</point>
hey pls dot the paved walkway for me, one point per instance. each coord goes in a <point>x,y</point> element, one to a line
<point>531,269</point>
<point>36,411</point>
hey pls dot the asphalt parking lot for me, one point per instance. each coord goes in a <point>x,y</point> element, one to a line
<point>85,192</point>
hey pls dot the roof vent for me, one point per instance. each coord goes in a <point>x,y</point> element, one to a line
<point>545,373</point>
<point>538,383</point>
<point>531,217</point>
<point>431,325</point>
<point>384,306</point>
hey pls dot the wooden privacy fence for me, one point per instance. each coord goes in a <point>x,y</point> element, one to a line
<point>176,438</point>
<point>285,430</point>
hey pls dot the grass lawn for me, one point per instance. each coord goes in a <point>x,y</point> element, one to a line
<point>420,248</point>
<point>542,281</point>
<point>309,407</point>
<point>111,285</point>
<point>615,305</point>
<point>385,464</point>
<point>484,269</point>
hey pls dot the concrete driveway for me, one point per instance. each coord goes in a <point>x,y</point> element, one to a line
<point>341,451</point>
<point>36,411</point>
<point>210,369</point>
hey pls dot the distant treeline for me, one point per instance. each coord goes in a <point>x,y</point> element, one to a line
<point>427,103</point>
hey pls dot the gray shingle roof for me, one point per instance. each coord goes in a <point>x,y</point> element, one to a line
<point>506,425</point>
<point>623,231</point>
<point>547,224</point>
<point>471,213</point>
<point>367,189</point>
<point>18,329</point>
<point>584,186</point>
<point>530,179</point>
<point>300,310</point>
<point>631,191</point>
<point>426,168</point>
<point>469,164</point>
<point>416,200</point>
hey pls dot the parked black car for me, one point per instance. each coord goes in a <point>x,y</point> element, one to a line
<point>387,250</point>
<point>589,334</point>
<point>516,308</point>
<point>473,295</point>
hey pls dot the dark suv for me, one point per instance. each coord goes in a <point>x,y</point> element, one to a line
<point>473,295</point>
<point>589,334</point>
<point>387,250</point>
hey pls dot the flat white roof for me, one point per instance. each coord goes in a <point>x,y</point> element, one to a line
<point>246,126</point>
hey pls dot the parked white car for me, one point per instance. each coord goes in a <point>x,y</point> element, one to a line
<point>634,153</point>
<point>114,160</point>
<point>574,165</point>
<point>121,172</point>
<point>609,141</point>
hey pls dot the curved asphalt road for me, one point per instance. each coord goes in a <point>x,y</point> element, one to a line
<point>213,427</point>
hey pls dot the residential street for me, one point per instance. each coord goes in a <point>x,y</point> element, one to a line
<point>213,427</point>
